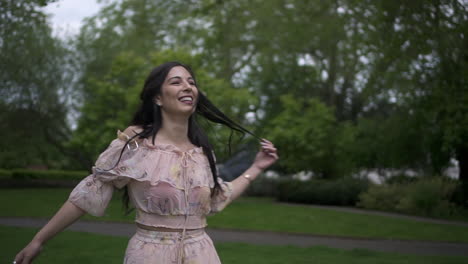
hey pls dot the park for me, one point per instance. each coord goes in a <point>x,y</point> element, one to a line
<point>365,101</point>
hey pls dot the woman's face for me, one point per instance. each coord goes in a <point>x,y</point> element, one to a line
<point>179,93</point>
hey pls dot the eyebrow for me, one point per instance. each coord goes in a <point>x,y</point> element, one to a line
<point>178,77</point>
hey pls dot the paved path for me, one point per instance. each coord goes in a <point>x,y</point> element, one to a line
<point>269,238</point>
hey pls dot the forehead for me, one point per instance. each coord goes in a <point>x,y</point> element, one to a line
<point>178,71</point>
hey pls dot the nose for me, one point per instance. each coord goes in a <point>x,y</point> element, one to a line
<point>187,87</point>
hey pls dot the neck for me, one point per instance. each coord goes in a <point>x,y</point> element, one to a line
<point>174,130</point>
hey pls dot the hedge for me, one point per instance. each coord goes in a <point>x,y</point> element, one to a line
<point>20,178</point>
<point>341,192</point>
<point>48,174</point>
<point>426,196</point>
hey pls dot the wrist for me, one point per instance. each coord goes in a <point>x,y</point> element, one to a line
<point>254,169</point>
<point>38,240</point>
<point>253,172</point>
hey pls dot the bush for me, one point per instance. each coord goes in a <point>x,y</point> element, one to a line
<point>263,186</point>
<point>24,174</point>
<point>426,196</point>
<point>343,192</point>
<point>401,179</point>
<point>22,178</point>
<point>5,174</point>
<point>381,197</point>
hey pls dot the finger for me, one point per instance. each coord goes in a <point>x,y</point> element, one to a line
<point>26,260</point>
<point>269,149</point>
<point>274,155</point>
<point>267,145</point>
<point>19,258</point>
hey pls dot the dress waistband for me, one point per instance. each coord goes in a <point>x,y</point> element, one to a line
<point>171,221</point>
<point>169,238</point>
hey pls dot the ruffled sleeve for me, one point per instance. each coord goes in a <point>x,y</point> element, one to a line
<point>222,198</point>
<point>94,192</point>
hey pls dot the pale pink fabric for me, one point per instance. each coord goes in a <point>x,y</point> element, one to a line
<point>168,187</point>
<point>152,247</point>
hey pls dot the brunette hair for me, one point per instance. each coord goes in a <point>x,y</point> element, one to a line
<point>149,118</point>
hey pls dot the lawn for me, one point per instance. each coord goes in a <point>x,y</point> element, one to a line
<point>255,214</point>
<point>75,247</point>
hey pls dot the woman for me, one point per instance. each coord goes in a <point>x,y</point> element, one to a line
<point>167,167</point>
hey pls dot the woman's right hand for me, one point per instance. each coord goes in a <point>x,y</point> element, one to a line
<point>28,253</point>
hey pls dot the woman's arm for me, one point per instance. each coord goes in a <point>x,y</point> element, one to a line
<point>65,216</point>
<point>264,159</point>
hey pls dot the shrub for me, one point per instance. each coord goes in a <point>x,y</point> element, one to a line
<point>381,197</point>
<point>263,186</point>
<point>401,179</point>
<point>426,196</point>
<point>5,174</point>
<point>344,191</point>
<point>47,174</point>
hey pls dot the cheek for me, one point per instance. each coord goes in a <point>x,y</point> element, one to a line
<point>168,97</point>
<point>195,92</point>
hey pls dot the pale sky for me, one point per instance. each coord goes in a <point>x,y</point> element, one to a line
<point>66,15</point>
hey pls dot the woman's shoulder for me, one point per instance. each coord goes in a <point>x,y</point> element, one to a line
<point>128,133</point>
<point>133,130</point>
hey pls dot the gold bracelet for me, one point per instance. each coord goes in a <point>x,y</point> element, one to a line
<point>248,177</point>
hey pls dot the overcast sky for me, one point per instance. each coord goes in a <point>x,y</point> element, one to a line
<point>66,15</point>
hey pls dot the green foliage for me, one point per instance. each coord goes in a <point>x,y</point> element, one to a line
<point>48,174</point>
<point>400,179</point>
<point>304,126</point>
<point>338,85</point>
<point>343,192</point>
<point>307,133</point>
<point>427,197</point>
<point>33,90</point>
<point>5,174</point>
<point>116,98</point>
<point>263,187</point>
<point>22,174</point>
<point>381,197</point>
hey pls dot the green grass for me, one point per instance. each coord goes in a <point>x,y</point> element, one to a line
<point>255,214</point>
<point>264,214</point>
<point>75,247</point>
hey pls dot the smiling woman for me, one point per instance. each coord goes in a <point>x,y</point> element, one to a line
<point>166,165</point>
<point>179,88</point>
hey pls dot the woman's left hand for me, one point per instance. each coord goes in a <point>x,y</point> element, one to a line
<point>266,156</point>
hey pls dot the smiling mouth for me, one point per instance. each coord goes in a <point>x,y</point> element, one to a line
<point>186,99</point>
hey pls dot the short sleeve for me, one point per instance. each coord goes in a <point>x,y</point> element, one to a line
<point>94,192</point>
<point>222,198</point>
<point>92,195</point>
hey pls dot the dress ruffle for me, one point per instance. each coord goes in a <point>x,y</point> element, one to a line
<point>153,164</point>
<point>164,183</point>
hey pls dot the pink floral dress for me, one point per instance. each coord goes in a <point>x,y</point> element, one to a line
<point>168,188</point>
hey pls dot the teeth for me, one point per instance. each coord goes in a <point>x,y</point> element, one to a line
<point>186,98</point>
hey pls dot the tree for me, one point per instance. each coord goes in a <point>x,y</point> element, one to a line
<point>116,97</point>
<point>33,94</point>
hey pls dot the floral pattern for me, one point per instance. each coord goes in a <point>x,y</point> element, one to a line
<point>162,181</point>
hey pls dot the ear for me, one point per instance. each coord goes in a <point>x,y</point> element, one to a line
<point>157,100</point>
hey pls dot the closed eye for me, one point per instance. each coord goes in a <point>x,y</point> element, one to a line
<point>176,80</point>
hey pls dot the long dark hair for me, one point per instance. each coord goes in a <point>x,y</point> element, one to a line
<point>149,118</point>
